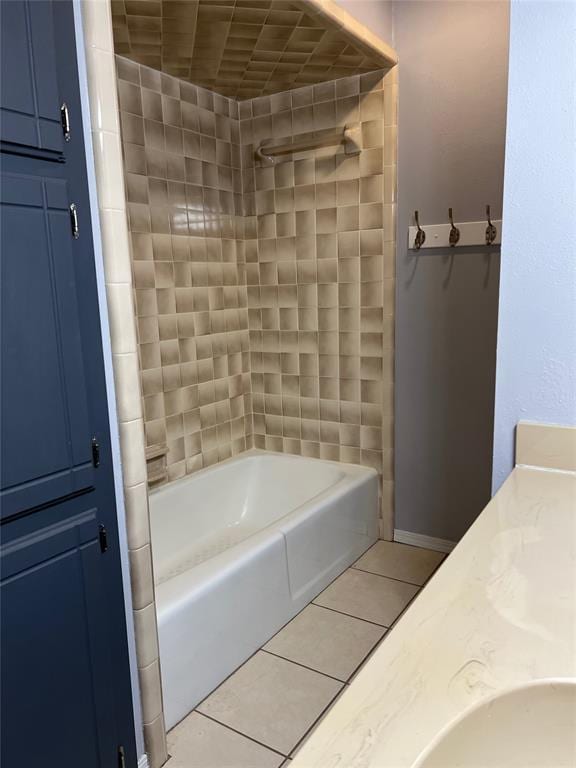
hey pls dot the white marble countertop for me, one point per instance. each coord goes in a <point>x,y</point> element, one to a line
<point>500,611</point>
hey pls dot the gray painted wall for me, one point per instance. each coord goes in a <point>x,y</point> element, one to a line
<point>452,120</point>
<point>452,93</point>
<point>536,371</point>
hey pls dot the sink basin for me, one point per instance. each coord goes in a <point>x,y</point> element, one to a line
<point>533,726</point>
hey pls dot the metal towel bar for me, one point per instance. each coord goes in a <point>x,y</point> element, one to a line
<point>350,137</point>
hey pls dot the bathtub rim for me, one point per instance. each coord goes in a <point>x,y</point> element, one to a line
<point>344,467</point>
<point>172,592</point>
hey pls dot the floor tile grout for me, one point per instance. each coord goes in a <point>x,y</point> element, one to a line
<point>384,576</point>
<point>342,683</point>
<point>219,684</point>
<point>324,608</point>
<point>360,663</point>
<point>304,666</point>
<point>375,623</point>
<point>403,611</point>
<point>315,723</point>
<point>240,733</point>
<point>365,659</point>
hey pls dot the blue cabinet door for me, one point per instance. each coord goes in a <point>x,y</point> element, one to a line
<point>46,432</point>
<point>30,118</point>
<point>55,648</point>
<point>65,677</point>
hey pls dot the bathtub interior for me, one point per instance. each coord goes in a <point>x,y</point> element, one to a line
<point>258,491</point>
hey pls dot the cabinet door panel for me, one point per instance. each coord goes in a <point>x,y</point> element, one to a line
<point>66,682</point>
<point>46,438</point>
<point>55,649</point>
<point>30,103</point>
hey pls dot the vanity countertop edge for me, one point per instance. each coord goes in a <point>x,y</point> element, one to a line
<point>499,612</point>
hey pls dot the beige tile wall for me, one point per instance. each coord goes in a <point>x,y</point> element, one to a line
<point>320,276</point>
<point>183,185</point>
<point>264,294</point>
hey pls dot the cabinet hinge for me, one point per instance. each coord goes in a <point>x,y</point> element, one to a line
<point>103,537</point>
<point>65,120</point>
<point>74,221</point>
<point>95,453</point>
<point>121,758</point>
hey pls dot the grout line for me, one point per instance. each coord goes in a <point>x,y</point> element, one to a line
<point>367,656</point>
<point>403,611</point>
<point>315,723</point>
<point>392,578</point>
<point>396,620</point>
<point>289,620</point>
<point>344,684</point>
<point>304,666</point>
<point>219,684</point>
<point>235,730</point>
<point>376,624</point>
<point>366,621</point>
<point>382,639</point>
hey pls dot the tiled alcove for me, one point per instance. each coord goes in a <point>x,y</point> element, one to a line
<point>264,294</point>
<point>254,270</point>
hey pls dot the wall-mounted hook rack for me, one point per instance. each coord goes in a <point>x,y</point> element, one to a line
<point>442,235</point>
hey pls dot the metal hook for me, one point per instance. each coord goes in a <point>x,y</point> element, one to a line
<point>490,229</point>
<point>420,238</point>
<point>454,231</point>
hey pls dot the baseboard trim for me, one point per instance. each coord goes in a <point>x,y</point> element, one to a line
<point>143,761</point>
<point>421,540</point>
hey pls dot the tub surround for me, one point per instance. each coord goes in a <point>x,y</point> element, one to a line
<point>182,167</point>
<point>497,615</point>
<point>264,295</point>
<point>242,547</point>
<point>320,240</point>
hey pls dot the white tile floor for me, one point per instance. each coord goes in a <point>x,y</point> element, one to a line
<point>264,711</point>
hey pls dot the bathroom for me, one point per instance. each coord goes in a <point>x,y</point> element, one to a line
<point>322,312</point>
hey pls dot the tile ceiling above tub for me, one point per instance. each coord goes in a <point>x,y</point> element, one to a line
<point>244,48</point>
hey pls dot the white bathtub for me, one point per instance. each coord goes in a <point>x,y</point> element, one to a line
<point>239,549</point>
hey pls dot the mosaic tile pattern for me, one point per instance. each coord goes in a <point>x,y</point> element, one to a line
<point>240,48</point>
<point>183,186</point>
<point>264,295</point>
<point>320,275</point>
